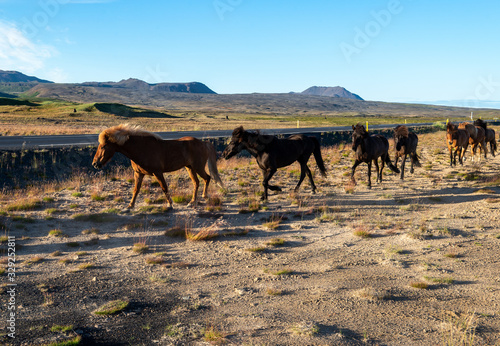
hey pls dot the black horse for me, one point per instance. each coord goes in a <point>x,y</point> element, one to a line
<point>489,135</point>
<point>369,148</point>
<point>405,143</point>
<point>273,153</point>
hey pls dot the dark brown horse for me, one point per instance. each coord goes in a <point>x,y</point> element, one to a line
<point>458,141</point>
<point>489,135</point>
<point>151,155</point>
<point>368,148</point>
<point>273,153</point>
<point>405,143</point>
<point>477,137</point>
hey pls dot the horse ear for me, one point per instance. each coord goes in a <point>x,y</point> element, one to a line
<point>353,127</point>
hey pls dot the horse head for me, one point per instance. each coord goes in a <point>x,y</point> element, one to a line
<point>480,123</point>
<point>400,137</point>
<point>105,151</point>
<point>451,134</point>
<point>358,134</point>
<point>237,143</point>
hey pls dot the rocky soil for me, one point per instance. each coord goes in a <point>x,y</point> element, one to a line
<point>413,262</point>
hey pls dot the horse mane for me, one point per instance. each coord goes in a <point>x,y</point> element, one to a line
<point>119,134</point>
<point>238,132</point>
<point>470,128</point>
<point>401,131</point>
<point>480,123</point>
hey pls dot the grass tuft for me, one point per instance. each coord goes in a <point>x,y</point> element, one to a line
<point>140,247</point>
<point>112,308</point>
<point>362,232</point>
<point>71,342</point>
<point>58,328</point>
<point>213,335</point>
<point>257,249</point>
<point>153,260</point>
<point>276,242</point>
<point>25,205</point>
<point>420,285</point>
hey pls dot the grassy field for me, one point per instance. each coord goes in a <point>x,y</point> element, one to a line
<point>38,116</point>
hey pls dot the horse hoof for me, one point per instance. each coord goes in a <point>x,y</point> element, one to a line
<point>126,210</point>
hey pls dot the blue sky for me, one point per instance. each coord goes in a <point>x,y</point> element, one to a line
<point>390,50</point>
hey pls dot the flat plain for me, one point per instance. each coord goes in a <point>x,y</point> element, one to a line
<point>413,262</point>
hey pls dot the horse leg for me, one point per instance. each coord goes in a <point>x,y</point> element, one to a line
<point>268,174</point>
<point>305,168</point>
<point>461,154</point>
<point>451,157</point>
<point>403,162</point>
<point>196,185</point>
<point>164,187</point>
<point>206,178</point>
<point>379,169</point>
<point>353,169</point>
<point>200,170</point>
<point>138,177</point>
<point>370,174</point>
<point>309,175</point>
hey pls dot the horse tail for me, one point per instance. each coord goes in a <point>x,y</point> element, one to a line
<point>390,164</point>
<point>415,159</point>
<point>493,145</point>
<point>317,156</point>
<point>212,164</point>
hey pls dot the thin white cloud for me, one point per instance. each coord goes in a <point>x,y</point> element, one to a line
<point>57,75</point>
<point>17,52</point>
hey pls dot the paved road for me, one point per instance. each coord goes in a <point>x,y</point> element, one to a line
<point>60,141</point>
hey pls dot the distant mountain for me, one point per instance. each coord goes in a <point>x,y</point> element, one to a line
<point>331,92</point>
<point>127,91</point>
<point>18,77</point>
<point>139,85</point>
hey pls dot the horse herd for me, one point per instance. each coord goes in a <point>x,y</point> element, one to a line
<point>151,155</point>
<point>476,135</point>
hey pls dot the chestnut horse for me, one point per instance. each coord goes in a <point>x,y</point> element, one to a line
<point>489,135</point>
<point>477,137</point>
<point>458,141</point>
<point>405,143</point>
<point>273,153</point>
<point>368,148</point>
<point>149,154</point>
